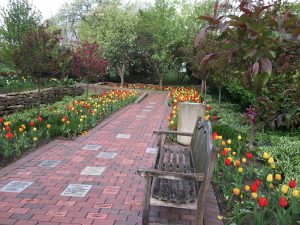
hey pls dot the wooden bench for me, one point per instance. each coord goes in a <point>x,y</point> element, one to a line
<point>180,175</point>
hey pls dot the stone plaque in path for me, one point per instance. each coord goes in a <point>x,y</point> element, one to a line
<point>16,186</point>
<point>92,171</point>
<point>91,147</point>
<point>151,150</point>
<point>152,103</point>
<point>49,163</point>
<point>149,106</point>
<point>138,116</point>
<point>107,155</point>
<point>125,136</point>
<point>76,190</point>
<point>146,110</point>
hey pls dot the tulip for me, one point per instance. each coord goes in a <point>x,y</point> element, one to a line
<point>239,137</point>
<point>254,195</point>
<point>247,188</point>
<point>262,202</point>
<point>271,160</point>
<point>236,191</point>
<point>244,160</point>
<point>227,162</point>
<point>283,202</point>
<point>253,188</point>
<point>240,169</point>
<point>270,178</point>
<point>48,126</point>
<point>277,177</point>
<point>229,141</point>
<point>40,119</point>
<point>266,155</point>
<point>295,193</point>
<point>9,135</point>
<point>248,155</point>
<point>292,184</point>
<point>284,189</point>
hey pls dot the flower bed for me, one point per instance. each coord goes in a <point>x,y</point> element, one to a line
<point>67,118</point>
<point>249,185</point>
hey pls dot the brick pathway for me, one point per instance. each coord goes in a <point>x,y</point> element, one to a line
<point>108,192</point>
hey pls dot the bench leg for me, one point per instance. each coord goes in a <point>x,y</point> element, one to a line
<point>200,215</point>
<point>146,204</point>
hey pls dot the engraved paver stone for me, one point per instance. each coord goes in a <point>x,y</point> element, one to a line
<point>92,171</point>
<point>140,116</point>
<point>107,155</point>
<point>16,186</point>
<point>126,136</point>
<point>91,147</point>
<point>152,103</point>
<point>149,106</point>
<point>76,190</point>
<point>146,110</point>
<point>151,150</point>
<point>49,163</point>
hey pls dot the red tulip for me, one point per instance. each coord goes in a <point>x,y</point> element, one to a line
<point>253,188</point>
<point>227,162</point>
<point>262,202</point>
<point>214,135</point>
<point>224,153</point>
<point>1,120</point>
<point>208,107</point>
<point>9,135</point>
<point>40,119</point>
<point>257,182</point>
<point>7,128</point>
<point>292,184</point>
<point>283,202</point>
<point>31,123</point>
<point>248,155</point>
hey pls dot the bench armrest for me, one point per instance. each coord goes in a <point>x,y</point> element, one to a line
<point>172,132</point>
<point>144,172</point>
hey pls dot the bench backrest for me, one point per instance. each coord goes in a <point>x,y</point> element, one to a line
<point>201,146</point>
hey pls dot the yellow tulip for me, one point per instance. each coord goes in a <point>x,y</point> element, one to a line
<point>35,139</point>
<point>244,160</point>
<point>229,141</point>
<point>240,169</point>
<point>236,191</point>
<point>271,185</point>
<point>254,195</point>
<point>48,126</point>
<point>247,188</point>
<point>34,129</point>
<point>233,153</point>
<point>266,155</point>
<point>270,178</point>
<point>239,137</point>
<point>278,177</point>
<point>271,160</point>
<point>295,193</point>
<point>284,189</point>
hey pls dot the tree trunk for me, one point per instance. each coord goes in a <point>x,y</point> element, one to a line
<point>87,89</point>
<point>205,90</point>
<point>252,135</point>
<point>202,86</point>
<point>160,74</point>
<point>39,96</point>
<point>220,96</point>
<point>121,73</point>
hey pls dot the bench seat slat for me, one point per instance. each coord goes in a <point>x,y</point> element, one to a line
<point>175,158</point>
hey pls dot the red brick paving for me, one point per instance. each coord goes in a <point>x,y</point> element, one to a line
<point>116,196</point>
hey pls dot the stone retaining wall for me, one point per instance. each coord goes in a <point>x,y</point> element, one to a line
<point>15,101</point>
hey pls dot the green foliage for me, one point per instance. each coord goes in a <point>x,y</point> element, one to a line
<point>113,27</point>
<point>14,83</point>
<point>239,94</point>
<point>17,18</point>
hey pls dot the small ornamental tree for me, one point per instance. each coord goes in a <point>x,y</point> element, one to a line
<point>89,62</point>
<point>36,55</point>
<point>260,37</point>
<point>15,20</point>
